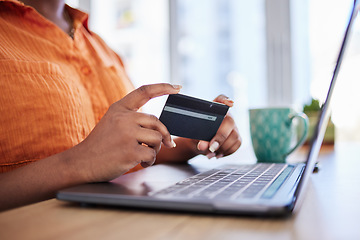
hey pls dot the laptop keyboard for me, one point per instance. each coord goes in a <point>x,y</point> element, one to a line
<point>240,182</point>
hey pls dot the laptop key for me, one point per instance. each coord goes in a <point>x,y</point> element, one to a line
<point>230,183</point>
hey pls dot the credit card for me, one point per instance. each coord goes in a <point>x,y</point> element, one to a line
<point>190,117</point>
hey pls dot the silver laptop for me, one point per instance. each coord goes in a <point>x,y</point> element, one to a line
<point>257,189</point>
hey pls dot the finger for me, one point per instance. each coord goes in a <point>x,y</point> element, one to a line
<point>138,97</point>
<point>147,156</point>
<point>203,146</point>
<point>150,138</point>
<point>231,144</point>
<point>232,149</point>
<point>222,134</point>
<point>224,100</point>
<point>152,122</point>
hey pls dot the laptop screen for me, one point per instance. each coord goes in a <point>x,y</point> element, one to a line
<point>324,116</point>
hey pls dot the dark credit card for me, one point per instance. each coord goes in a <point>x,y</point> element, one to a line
<point>191,117</point>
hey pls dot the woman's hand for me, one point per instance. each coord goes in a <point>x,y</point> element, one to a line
<point>124,137</point>
<point>227,139</point>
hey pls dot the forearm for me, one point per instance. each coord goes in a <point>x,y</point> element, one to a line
<point>110,150</point>
<point>37,181</point>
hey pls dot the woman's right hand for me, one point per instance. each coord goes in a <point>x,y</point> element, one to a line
<point>123,138</point>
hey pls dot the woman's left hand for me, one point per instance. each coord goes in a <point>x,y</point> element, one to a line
<point>227,139</point>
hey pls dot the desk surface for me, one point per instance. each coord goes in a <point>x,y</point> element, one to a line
<point>330,210</point>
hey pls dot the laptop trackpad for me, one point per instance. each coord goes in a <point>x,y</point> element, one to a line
<point>139,183</point>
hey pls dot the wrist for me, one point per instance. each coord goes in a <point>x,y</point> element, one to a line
<point>73,171</point>
<point>189,147</point>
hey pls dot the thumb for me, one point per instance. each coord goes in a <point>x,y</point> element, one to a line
<point>203,146</point>
<point>224,100</point>
<point>137,98</point>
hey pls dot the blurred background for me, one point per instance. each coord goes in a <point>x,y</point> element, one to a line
<point>259,52</point>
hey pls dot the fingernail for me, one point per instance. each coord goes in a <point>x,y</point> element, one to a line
<point>173,143</point>
<point>176,86</point>
<point>229,102</point>
<point>198,146</point>
<point>219,155</point>
<point>210,155</point>
<point>214,146</point>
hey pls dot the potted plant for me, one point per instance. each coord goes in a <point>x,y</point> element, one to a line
<point>312,110</point>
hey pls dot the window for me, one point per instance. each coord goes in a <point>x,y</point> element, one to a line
<point>326,33</point>
<point>258,52</point>
<point>219,47</point>
<point>138,30</point>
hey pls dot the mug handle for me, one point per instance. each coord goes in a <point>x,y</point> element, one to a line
<point>305,129</point>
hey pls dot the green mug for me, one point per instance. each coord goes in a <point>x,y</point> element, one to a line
<point>272,131</point>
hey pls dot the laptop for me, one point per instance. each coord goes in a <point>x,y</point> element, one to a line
<point>256,189</point>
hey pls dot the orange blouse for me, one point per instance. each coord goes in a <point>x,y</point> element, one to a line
<point>53,89</point>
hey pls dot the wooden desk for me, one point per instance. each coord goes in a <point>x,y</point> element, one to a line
<point>330,211</point>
